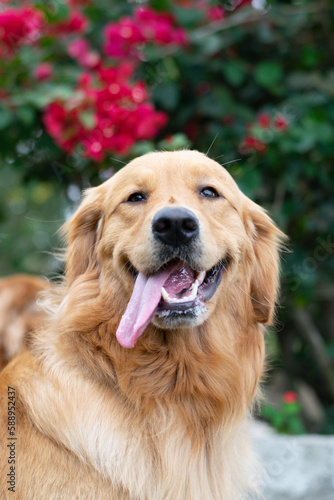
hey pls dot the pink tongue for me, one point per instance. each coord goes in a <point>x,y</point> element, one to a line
<point>145,298</point>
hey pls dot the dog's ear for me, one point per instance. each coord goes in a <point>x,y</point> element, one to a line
<point>266,241</point>
<point>82,233</point>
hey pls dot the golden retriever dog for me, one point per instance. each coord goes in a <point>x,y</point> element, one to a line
<point>19,313</point>
<point>140,384</point>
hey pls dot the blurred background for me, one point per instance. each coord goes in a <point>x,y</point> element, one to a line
<point>87,85</point>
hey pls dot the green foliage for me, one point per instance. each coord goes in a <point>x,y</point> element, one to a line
<point>286,418</point>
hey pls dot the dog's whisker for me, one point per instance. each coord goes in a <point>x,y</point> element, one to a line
<point>212,143</point>
<point>218,157</point>
<point>231,161</point>
<point>251,297</point>
<point>116,159</point>
<point>42,220</point>
<point>254,299</point>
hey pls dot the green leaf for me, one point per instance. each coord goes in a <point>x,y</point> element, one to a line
<point>88,119</point>
<point>160,4</point>
<point>142,148</point>
<point>212,44</point>
<point>167,95</point>
<point>43,95</point>
<point>216,103</point>
<point>305,143</point>
<point>26,114</point>
<point>187,17</point>
<point>268,412</point>
<point>234,73</point>
<point>177,141</point>
<point>54,11</point>
<point>268,74</point>
<point>310,56</point>
<point>6,118</point>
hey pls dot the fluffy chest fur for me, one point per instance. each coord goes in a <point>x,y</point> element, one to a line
<point>146,459</point>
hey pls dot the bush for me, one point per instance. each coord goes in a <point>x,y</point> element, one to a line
<point>87,85</point>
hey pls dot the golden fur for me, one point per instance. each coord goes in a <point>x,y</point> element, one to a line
<point>168,419</point>
<point>19,313</point>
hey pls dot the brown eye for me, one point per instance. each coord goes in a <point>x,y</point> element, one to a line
<point>209,192</point>
<point>136,198</point>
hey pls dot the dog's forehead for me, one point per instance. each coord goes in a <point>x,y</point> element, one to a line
<point>175,168</point>
<point>180,163</point>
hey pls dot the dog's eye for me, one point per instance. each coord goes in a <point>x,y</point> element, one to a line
<point>209,192</point>
<point>136,197</point>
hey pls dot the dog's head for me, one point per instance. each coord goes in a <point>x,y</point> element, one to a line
<point>179,237</point>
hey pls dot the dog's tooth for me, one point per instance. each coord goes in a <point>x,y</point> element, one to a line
<point>165,295</point>
<point>168,298</point>
<point>194,288</point>
<point>173,300</point>
<point>200,277</point>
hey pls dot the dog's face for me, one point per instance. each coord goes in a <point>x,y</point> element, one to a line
<point>177,234</point>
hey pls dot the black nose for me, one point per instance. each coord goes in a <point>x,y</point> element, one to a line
<point>175,226</point>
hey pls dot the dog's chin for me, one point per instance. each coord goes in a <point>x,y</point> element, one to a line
<point>170,319</point>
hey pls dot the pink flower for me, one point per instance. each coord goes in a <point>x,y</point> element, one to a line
<point>75,23</point>
<point>290,397</point>
<point>149,121</point>
<point>139,92</point>
<point>264,120</point>
<point>127,37</point>
<point>63,125</point>
<point>77,47</point>
<point>43,71</point>
<point>251,143</point>
<point>80,50</point>
<point>121,38</point>
<point>123,143</point>
<point>19,27</point>
<point>216,13</point>
<point>158,26</point>
<point>281,123</point>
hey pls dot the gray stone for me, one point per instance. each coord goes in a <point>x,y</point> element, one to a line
<point>297,467</point>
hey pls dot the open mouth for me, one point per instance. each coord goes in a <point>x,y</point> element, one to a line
<point>174,290</point>
<point>186,288</point>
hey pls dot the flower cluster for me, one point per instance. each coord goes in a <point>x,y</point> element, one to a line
<point>279,122</point>
<point>43,71</point>
<point>129,35</point>
<point>262,132</point>
<point>25,25</point>
<point>75,22</point>
<point>19,26</point>
<point>106,114</point>
<point>251,144</point>
<point>81,51</point>
<point>108,111</point>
